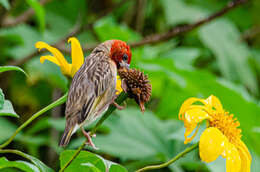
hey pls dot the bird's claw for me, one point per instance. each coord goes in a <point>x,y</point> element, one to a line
<point>89,142</point>
<point>118,106</point>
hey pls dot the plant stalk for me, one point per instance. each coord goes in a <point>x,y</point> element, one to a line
<point>33,117</point>
<point>166,164</point>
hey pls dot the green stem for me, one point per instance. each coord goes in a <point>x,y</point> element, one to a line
<point>166,164</point>
<point>73,156</point>
<point>17,152</point>
<point>36,115</point>
<point>122,97</point>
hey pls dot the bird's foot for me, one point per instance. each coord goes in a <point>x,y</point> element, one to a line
<point>89,142</point>
<point>118,106</point>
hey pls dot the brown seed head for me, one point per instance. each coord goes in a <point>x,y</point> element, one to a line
<point>137,85</point>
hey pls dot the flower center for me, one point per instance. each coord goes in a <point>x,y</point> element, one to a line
<point>227,125</point>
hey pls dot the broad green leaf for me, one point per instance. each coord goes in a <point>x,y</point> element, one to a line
<point>177,12</point>
<point>7,128</point>
<point>224,40</point>
<point>2,99</point>
<point>8,110</point>
<point>136,136</point>
<point>83,162</point>
<point>22,165</point>
<point>117,168</point>
<point>47,71</point>
<point>27,37</point>
<point>8,68</point>
<point>39,11</point>
<point>183,57</point>
<point>89,162</point>
<point>5,3</point>
<point>42,167</point>
<point>106,29</point>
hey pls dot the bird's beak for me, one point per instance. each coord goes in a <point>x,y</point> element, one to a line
<point>123,64</point>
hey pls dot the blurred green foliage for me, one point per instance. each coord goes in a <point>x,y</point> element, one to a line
<point>220,58</point>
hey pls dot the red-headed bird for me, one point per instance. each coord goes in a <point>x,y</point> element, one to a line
<point>93,87</point>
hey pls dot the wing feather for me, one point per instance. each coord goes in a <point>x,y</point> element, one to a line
<point>88,86</point>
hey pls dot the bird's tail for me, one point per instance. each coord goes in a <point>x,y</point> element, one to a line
<point>66,135</point>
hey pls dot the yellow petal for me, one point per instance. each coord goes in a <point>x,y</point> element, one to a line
<point>245,158</point>
<point>214,102</point>
<point>195,115</point>
<point>118,86</point>
<point>57,54</point>
<point>50,58</point>
<point>233,161</point>
<point>76,55</point>
<point>211,144</point>
<point>244,147</point>
<point>187,103</point>
<point>188,130</point>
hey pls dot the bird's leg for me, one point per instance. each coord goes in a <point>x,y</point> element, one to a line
<point>90,142</point>
<point>115,104</point>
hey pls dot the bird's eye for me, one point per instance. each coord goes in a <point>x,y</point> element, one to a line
<point>125,57</point>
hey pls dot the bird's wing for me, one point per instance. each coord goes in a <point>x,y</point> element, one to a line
<point>88,86</point>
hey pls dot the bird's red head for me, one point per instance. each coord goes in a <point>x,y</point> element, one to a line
<point>120,53</point>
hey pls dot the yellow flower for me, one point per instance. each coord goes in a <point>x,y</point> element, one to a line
<point>57,58</point>
<point>76,56</point>
<point>118,86</point>
<point>221,137</point>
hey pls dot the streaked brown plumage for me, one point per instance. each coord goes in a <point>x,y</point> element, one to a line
<point>92,88</point>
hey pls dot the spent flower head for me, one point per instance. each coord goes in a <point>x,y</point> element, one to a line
<point>137,85</point>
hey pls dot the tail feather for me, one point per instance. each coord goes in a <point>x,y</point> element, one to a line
<point>66,136</point>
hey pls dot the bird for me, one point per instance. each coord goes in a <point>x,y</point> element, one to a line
<point>93,87</point>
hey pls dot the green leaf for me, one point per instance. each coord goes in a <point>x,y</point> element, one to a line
<point>39,164</point>
<point>7,128</point>
<point>40,13</point>
<point>47,71</point>
<point>224,40</point>
<point>177,12</point>
<point>22,165</point>
<point>5,3</point>
<point>27,37</point>
<point>106,29</point>
<point>136,136</point>
<point>183,57</point>
<point>8,110</point>
<point>84,161</point>
<point>8,68</point>
<point>87,161</point>
<point>2,99</point>
<point>117,168</point>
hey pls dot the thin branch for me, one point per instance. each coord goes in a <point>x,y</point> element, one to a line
<point>121,98</point>
<point>8,21</point>
<point>182,29</point>
<point>251,33</point>
<point>156,38</point>
<point>166,164</point>
<point>33,117</point>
